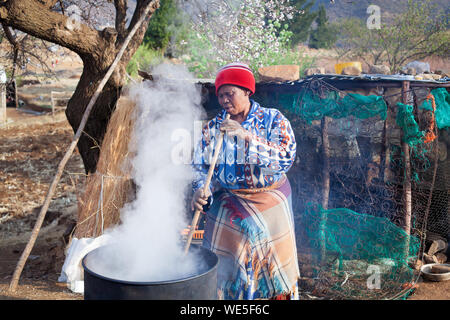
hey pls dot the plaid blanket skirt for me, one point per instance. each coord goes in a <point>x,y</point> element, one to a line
<point>252,232</point>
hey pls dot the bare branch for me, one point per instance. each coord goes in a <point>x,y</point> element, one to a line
<point>62,6</point>
<point>32,17</point>
<point>140,7</point>
<point>45,67</point>
<point>121,14</point>
<point>12,40</point>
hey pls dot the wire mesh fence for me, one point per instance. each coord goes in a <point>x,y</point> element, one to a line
<point>366,191</point>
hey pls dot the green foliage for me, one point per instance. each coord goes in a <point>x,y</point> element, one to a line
<point>159,31</point>
<point>282,54</point>
<point>324,36</point>
<point>356,41</point>
<point>201,58</point>
<point>196,51</point>
<point>300,25</point>
<point>417,33</point>
<point>204,42</point>
<point>199,49</point>
<point>144,58</point>
<point>254,32</point>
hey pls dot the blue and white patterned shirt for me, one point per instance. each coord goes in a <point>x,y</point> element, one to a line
<point>246,165</point>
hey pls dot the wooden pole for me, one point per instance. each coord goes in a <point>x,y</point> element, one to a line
<point>53,104</point>
<point>385,156</point>
<point>407,193</point>
<point>16,94</point>
<point>3,116</point>
<point>212,165</point>
<point>430,195</point>
<point>326,185</point>
<point>65,159</point>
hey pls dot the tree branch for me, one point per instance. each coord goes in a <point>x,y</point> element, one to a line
<point>121,14</point>
<point>48,3</point>
<point>12,40</point>
<point>141,6</point>
<point>62,6</point>
<point>36,19</point>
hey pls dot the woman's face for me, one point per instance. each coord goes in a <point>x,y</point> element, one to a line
<point>233,99</point>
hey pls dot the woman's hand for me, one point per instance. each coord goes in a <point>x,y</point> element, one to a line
<point>233,128</point>
<point>200,199</point>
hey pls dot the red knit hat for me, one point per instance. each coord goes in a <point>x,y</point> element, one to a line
<point>238,74</point>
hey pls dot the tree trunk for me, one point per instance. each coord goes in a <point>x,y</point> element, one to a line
<point>97,49</point>
<point>100,86</point>
<point>90,142</point>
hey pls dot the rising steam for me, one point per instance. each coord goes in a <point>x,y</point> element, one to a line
<point>147,244</point>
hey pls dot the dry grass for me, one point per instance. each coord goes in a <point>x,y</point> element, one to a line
<point>110,187</point>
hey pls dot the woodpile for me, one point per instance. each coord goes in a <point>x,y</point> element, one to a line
<point>436,249</point>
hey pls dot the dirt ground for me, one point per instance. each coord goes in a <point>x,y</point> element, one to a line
<point>30,150</point>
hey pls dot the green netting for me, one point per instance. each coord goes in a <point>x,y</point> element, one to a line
<point>414,137</point>
<point>426,105</point>
<point>442,100</point>
<point>366,237</point>
<point>405,120</point>
<point>364,187</point>
<point>346,243</point>
<point>314,107</point>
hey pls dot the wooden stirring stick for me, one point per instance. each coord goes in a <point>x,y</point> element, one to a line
<point>205,187</point>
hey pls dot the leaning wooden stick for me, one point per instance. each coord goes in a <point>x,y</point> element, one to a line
<point>205,187</point>
<point>62,164</point>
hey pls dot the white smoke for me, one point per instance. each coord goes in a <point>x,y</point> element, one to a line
<point>147,244</point>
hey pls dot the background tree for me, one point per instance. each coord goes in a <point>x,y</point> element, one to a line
<point>323,36</point>
<point>221,31</point>
<point>159,29</point>
<point>207,34</point>
<point>300,24</point>
<point>47,20</point>
<point>357,42</point>
<point>25,50</point>
<point>417,33</point>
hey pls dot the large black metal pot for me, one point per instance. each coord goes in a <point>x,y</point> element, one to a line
<point>202,286</point>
